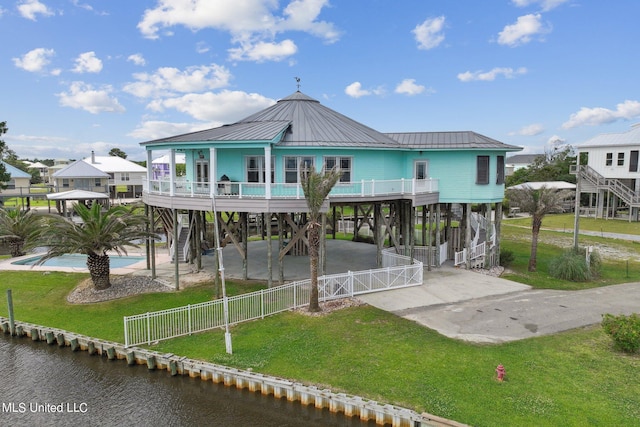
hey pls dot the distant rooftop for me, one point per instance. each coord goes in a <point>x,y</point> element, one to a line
<point>630,137</point>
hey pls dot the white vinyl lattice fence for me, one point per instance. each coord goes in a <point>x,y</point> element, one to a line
<point>165,324</point>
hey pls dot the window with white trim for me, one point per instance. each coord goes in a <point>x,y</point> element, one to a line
<point>293,165</point>
<point>343,164</point>
<point>500,171</point>
<point>609,159</point>
<point>420,169</point>
<point>256,169</point>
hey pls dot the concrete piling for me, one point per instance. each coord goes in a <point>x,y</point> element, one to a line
<point>50,337</point>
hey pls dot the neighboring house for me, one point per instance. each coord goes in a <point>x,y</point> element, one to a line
<point>80,175</point>
<point>20,182</point>
<point>162,165</point>
<point>125,177</point>
<point>253,167</point>
<point>611,176</point>
<point>57,165</point>
<point>519,161</point>
<point>40,167</point>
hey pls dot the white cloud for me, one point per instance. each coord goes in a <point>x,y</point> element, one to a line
<point>137,59</point>
<point>263,51</point>
<point>409,87</point>
<point>202,47</point>
<point>253,24</point>
<point>556,141</point>
<point>355,90</point>
<point>223,107</point>
<point>167,81</point>
<point>429,33</point>
<point>30,8</point>
<point>508,73</point>
<point>35,60</point>
<point>545,4</point>
<point>597,116</point>
<point>523,30</point>
<point>84,96</point>
<point>153,129</point>
<point>530,130</point>
<point>87,62</point>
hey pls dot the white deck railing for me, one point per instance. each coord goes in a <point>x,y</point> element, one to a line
<point>288,191</point>
<point>165,324</point>
<point>476,252</point>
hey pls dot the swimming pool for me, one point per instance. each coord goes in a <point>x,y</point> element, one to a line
<point>79,261</point>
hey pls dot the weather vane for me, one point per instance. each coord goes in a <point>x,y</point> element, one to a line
<point>298,83</point>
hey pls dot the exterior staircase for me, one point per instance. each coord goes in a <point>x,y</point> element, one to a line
<point>181,239</point>
<point>592,178</point>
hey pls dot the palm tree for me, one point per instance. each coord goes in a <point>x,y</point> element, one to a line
<point>98,233</point>
<point>537,203</point>
<point>316,187</point>
<point>20,229</point>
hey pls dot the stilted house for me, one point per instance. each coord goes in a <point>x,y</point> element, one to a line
<point>611,176</point>
<point>408,189</point>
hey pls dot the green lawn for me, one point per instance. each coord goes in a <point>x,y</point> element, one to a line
<point>565,222</point>
<point>569,379</point>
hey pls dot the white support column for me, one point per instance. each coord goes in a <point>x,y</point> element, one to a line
<point>172,173</point>
<point>213,172</point>
<point>267,174</point>
<point>149,169</point>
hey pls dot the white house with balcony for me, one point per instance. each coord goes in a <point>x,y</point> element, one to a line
<point>611,176</point>
<point>125,177</point>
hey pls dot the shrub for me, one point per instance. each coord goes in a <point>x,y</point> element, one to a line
<point>572,266</point>
<point>624,330</point>
<point>506,258</point>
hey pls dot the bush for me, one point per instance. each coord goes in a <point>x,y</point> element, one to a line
<point>506,258</point>
<point>624,330</point>
<point>572,266</point>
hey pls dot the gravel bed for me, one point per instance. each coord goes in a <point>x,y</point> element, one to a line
<point>121,286</point>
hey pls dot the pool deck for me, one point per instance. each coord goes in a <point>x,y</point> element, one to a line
<point>8,264</point>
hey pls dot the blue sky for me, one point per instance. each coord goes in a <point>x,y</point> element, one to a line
<point>83,75</point>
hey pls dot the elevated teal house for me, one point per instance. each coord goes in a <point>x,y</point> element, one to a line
<point>399,184</point>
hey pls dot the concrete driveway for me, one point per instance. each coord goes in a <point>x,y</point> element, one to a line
<point>473,307</point>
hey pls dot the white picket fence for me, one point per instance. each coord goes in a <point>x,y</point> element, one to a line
<point>165,324</point>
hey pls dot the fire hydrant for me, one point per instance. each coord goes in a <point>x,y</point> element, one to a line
<point>500,372</point>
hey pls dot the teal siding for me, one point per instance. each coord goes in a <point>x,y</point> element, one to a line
<point>455,170</point>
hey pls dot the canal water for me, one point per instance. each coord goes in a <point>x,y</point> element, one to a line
<point>48,385</point>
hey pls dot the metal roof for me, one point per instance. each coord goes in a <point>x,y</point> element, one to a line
<point>14,172</point>
<point>80,169</point>
<point>305,122</point>
<point>554,185</point>
<point>77,195</point>
<point>314,125</point>
<point>523,159</point>
<point>630,137</point>
<point>113,164</point>
<point>258,131</point>
<point>462,140</point>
